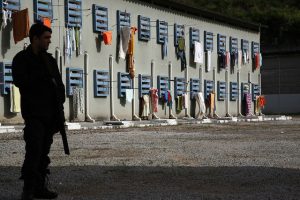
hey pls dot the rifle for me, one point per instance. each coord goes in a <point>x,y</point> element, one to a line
<point>62,131</point>
<point>61,127</point>
<point>60,110</point>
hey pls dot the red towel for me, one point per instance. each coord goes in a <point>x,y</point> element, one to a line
<point>20,25</point>
<point>107,37</point>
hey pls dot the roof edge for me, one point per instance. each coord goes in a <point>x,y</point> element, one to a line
<point>206,14</point>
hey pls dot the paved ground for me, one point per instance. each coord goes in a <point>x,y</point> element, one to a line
<point>207,161</point>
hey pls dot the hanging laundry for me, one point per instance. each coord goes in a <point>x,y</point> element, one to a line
<point>20,25</point>
<point>185,103</point>
<point>257,60</point>
<point>165,48</point>
<point>170,101</point>
<point>208,61</point>
<point>129,95</point>
<point>222,60</point>
<point>260,59</point>
<point>47,22</point>
<point>107,37</point>
<point>154,99</point>
<point>240,58</point>
<point>78,103</point>
<point>198,52</point>
<point>201,105</point>
<point>257,105</point>
<point>233,59</point>
<point>247,98</point>
<point>212,103</point>
<point>124,41</point>
<point>146,106</point>
<point>179,103</point>
<point>262,101</point>
<point>4,18</point>
<point>244,57</point>
<point>227,63</point>
<point>180,50</point>
<point>77,39</point>
<point>15,99</point>
<point>68,46</point>
<point>130,52</point>
<point>73,39</point>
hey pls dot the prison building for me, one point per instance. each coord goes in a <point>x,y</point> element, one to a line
<point>175,51</point>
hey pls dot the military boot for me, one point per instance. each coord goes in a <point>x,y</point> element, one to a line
<point>41,190</point>
<point>45,194</point>
<point>27,195</point>
<point>28,190</point>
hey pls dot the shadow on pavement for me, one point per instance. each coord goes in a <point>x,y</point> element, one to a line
<point>120,183</point>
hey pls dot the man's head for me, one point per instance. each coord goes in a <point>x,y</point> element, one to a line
<point>40,36</point>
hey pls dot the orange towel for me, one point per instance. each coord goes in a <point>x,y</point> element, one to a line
<point>20,25</point>
<point>47,22</point>
<point>107,37</point>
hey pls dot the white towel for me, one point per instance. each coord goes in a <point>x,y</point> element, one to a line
<point>124,41</point>
<point>146,106</point>
<point>4,18</point>
<point>129,95</point>
<point>208,61</point>
<point>15,99</point>
<point>201,104</point>
<point>185,101</point>
<point>198,52</point>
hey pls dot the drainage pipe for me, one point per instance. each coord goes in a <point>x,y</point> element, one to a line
<point>227,93</point>
<point>86,91</point>
<point>171,116</point>
<point>239,100</point>
<point>111,84</point>
<point>134,116</point>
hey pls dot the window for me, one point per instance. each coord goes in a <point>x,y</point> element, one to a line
<point>179,86</point>
<point>124,82</point>
<point>43,9</point>
<point>162,31</point>
<point>144,28</point>
<point>123,19</point>
<point>144,84</point>
<point>221,43</point>
<point>101,83</point>
<point>74,79</point>
<point>178,33</point>
<point>100,19</point>
<point>5,77</point>
<point>12,5</point>
<point>234,46</point>
<point>208,41</point>
<point>194,36</point>
<point>73,13</point>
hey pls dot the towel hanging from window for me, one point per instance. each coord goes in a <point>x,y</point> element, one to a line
<point>20,25</point>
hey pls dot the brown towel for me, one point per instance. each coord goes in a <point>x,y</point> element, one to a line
<point>20,25</point>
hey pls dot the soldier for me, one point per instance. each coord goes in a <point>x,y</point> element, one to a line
<point>35,73</point>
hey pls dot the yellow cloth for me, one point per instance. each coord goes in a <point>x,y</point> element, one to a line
<point>212,103</point>
<point>15,99</point>
<point>130,52</point>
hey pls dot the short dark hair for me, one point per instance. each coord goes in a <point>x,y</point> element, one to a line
<point>37,30</point>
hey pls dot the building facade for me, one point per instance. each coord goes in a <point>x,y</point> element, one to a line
<point>160,26</point>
